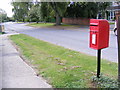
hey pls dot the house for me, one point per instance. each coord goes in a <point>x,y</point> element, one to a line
<point>111,11</point>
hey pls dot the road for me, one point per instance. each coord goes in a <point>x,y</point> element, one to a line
<point>73,39</point>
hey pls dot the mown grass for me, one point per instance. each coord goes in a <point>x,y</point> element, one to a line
<point>41,24</point>
<point>19,22</point>
<point>111,23</point>
<point>61,67</point>
<point>50,25</point>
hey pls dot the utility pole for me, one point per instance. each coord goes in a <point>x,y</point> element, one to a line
<point>1,17</point>
<point>117,10</point>
<point>117,14</point>
<point>118,40</point>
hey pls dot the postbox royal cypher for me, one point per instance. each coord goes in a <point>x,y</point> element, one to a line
<point>99,33</point>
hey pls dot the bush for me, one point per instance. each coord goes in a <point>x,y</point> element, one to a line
<point>104,82</point>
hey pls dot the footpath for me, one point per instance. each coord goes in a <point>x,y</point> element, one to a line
<point>14,72</point>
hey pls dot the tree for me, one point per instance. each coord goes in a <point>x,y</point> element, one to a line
<point>21,10</point>
<point>40,12</point>
<point>34,13</point>
<point>59,9</point>
<point>46,11</point>
<point>3,15</point>
<point>102,6</point>
<point>90,9</point>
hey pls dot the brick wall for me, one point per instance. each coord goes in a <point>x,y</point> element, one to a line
<point>80,21</point>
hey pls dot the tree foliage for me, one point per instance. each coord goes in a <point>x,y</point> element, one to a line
<point>34,13</point>
<point>45,11</point>
<point>86,9</point>
<point>21,10</point>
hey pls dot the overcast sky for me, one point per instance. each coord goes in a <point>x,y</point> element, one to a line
<point>5,5</point>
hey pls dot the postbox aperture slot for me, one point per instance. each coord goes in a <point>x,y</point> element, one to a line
<point>93,24</point>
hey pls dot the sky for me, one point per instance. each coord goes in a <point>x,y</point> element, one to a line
<point>5,5</point>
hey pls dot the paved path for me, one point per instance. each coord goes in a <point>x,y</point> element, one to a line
<point>15,72</point>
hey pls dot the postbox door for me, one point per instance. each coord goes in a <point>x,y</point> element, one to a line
<point>94,39</point>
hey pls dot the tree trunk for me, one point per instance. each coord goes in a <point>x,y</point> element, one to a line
<point>37,22</point>
<point>54,6</point>
<point>23,20</point>
<point>58,20</point>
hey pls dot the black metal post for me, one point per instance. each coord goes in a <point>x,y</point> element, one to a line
<point>118,40</point>
<point>98,63</point>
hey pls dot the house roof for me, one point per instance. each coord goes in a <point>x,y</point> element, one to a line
<point>113,8</point>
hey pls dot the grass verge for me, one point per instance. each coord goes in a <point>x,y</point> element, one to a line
<point>61,67</point>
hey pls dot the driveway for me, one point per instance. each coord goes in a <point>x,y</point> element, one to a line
<point>77,39</point>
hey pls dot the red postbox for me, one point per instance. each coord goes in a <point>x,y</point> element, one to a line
<point>99,33</point>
